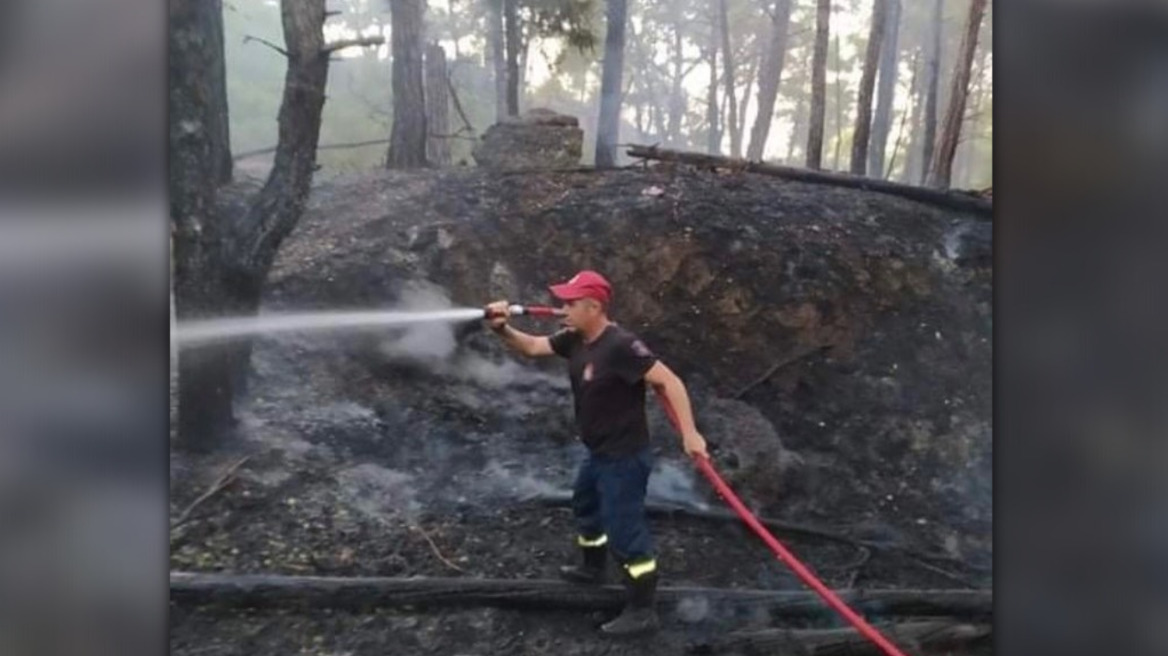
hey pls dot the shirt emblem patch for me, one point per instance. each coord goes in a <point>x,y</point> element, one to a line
<point>641,350</point>
<point>587,372</point>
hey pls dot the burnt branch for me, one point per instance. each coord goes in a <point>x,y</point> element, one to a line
<point>271,591</point>
<point>267,43</point>
<point>955,200</point>
<point>337,146</point>
<point>785,362</point>
<point>793,530</point>
<point>352,43</point>
<point>218,486</point>
<point>458,105</point>
<point>928,636</point>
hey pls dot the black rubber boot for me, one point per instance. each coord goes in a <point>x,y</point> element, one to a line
<point>639,616</point>
<point>592,569</point>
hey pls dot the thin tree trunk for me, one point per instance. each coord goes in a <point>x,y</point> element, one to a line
<point>676,96</point>
<point>770,76</point>
<point>437,107</point>
<point>885,90</point>
<point>933,68</point>
<point>714,135</point>
<point>498,56</point>
<point>728,74</point>
<point>939,172</point>
<point>511,27</point>
<point>521,85</point>
<point>863,125</point>
<point>407,138</point>
<point>914,95</point>
<point>818,85</point>
<point>798,134</point>
<point>839,103</point>
<point>751,78</point>
<point>608,123</point>
<point>911,171</point>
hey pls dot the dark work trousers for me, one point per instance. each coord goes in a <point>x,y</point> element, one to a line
<point>609,499</point>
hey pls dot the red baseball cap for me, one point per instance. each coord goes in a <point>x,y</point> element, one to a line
<point>586,284</point>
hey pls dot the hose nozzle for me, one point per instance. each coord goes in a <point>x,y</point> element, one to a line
<point>528,310</point>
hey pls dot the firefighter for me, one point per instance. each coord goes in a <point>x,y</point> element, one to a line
<point>609,368</point>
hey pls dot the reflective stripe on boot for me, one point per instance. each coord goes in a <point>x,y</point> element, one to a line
<point>639,616</point>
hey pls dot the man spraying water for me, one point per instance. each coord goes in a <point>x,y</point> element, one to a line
<point>609,368</point>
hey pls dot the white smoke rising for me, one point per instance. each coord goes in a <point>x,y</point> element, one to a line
<point>670,483</point>
<point>423,341</point>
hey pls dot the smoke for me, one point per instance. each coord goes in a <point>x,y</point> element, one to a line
<point>380,493</point>
<point>436,346</point>
<point>669,483</point>
<point>424,341</point>
<point>516,485</point>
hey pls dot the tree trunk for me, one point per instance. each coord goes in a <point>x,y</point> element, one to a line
<point>839,103</point>
<point>608,123</point>
<point>521,72</point>
<point>728,74</point>
<point>511,27</point>
<point>205,376</point>
<point>222,252</point>
<point>946,147</point>
<point>714,135</point>
<point>933,79</point>
<point>769,78</point>
<point>913,153</point>
<point>798,131</point>
<point>437,107</point>
<point>260,591</point>
<point>676,96</point>
<point>407,139</point>
<point>217,118</point>
<point>885,91</point>
<point>914,95</point>
<point>818,85</point>
<point>863,125</point>
<point>498,57</point>
<point>751,78</point>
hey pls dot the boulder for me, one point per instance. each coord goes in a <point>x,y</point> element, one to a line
<point>538,140</point>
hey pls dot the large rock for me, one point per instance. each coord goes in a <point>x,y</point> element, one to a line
<point>850,328</point>
<point>540,139</point>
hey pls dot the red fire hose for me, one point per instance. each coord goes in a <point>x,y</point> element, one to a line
<point>784,554</point>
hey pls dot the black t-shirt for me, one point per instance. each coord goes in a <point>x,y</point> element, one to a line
<point>608,385</point>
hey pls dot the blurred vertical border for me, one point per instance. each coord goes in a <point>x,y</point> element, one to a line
<point>1082,318</point>
<point>83,354</point>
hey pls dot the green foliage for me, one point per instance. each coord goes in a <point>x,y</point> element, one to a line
<point>571,20</point>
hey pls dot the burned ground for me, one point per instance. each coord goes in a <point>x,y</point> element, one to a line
<point>427,452</point>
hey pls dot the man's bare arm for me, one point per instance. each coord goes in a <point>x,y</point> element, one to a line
<point>662,378</point>
<point>533,346</point>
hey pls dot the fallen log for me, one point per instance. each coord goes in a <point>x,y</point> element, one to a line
<point>268,591</point>
<point>956,200</point>
<point>564,500</point>
<point>918,636</point>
